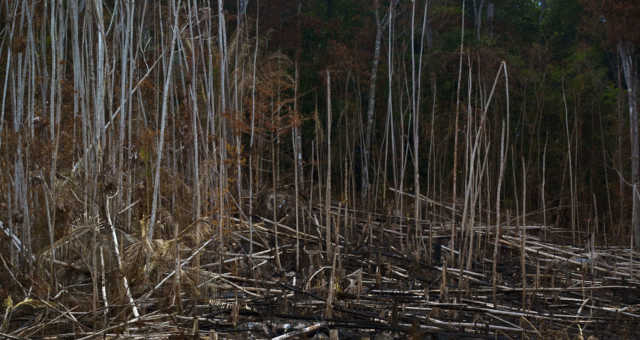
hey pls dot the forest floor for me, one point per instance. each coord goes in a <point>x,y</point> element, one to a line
<point>373,285</point>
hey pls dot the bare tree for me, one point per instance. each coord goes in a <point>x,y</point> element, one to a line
<point>163,120</point>
<point>629,69</point>
<point>478,6</point>
<point>380,24</point>
<point>327,202</point>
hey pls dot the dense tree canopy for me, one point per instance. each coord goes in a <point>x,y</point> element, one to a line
<point>564,86</point>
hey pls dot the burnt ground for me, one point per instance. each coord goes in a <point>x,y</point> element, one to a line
<point>380,280</point>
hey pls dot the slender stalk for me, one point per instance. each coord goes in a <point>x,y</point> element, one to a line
<point>197,203</point>
<point>570,158</point>
<point>524,192</point>
<point>163,122</point>
<point>327,197</point>
<point>222,177</point>
<point>372,98</point>
<point>543,189</point>
<point>116,250</point>
<point>455,140</point>
<point>630,71</point>
<point>296,165</point>
<point>274,180</point>
<point>504,146</point>
<point>252,132</point>
<point>416,121</point>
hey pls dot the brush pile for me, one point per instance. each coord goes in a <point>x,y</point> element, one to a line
<point>374,283</point>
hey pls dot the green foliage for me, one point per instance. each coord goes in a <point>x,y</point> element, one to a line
<point>518,20</point>
<point>560,22</point>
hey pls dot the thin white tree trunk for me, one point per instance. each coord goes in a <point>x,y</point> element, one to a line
<point>251,140</point>
<point>127,33</point>
<point>194,126</point>
<point>477,16</point>
<point>327,197</point>
<point>625,50</point>
<point>455,139</point>
<point>371,103</point>
<point>163,123</point>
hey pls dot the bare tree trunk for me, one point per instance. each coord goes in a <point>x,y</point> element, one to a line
<point>196,164</point>
<point>388,130</point>
<point>197,200</point>
<point>414,109</point>
<point>503,154</point>
<point>625,50</point>
<point>297,166</point>
<point>242,6</point>
<point>296,128</point>
<point>416,127</point>
<point>222,45</point>
<point>455,138</point>
<point>127,34</point>
<point>477,16</point>
<point>327,198</point>
<point>570,160</point>
<point>163,120</point>
<point>253,119</point>
<point>371,103</point>
<point>274,178</point>
<point>100,140</point>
